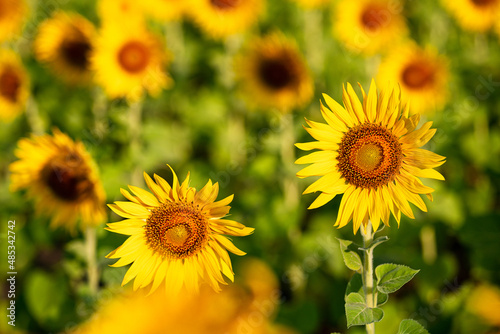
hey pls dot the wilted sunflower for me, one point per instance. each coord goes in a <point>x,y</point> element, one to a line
<point>369,152</point>
<point>64,42</point>
<point>368,26</point>
<point>220,18</point>
<point>474,15</point>
<point>177,235</point>
<point>12,15</point>
<point>422,73</point>
<point>273,73</point>
<point>61,177</point>
<point>129,60</point>
<point>165,10</point>
<point>14,85</point>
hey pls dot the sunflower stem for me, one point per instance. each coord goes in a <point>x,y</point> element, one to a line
<point>368,272</point>
<point>90,247</point>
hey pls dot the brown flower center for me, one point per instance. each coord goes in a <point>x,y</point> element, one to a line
<point>67,176</point>
<point>484,3</point>
<point>276,73</point>
<point>369,156</point>
<point>418,75</point>
<point>176,230</point>
<point>10,82</point>
<point>76,53</point>
<point>374,17</point>
<point>133,57</point>
<point>224,4</point>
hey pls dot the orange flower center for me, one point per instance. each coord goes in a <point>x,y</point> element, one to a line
<point>369,156</point>
<point>373,17</point>
<point>417,75</point>
<point>67,176</point>
<point>134,57</point>
<point>9,85</point>
<point>224,4</point>
<point>176,230</point>
<point>276,73</point>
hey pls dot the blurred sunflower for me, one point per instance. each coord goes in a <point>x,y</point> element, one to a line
<point>164,10</point>
<point>128,60</point>
<point>312,3</point>
<point>14,85</point>
<point>12,16</point>
<point>484,301</point>
<point>422,73</point>
<point>64,42</point>
<point>474,15</point>
<point>61,177</point>
<point>273,73</point>
<point>176,235</point>
<point>220,18</point>
<point>368,26</point>
<point>120,12</point>
<point>369,152</point>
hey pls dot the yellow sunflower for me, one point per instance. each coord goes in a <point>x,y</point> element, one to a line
<point>14,85</point>
<point>64,42</point>
<point>128,61</point>
<point>165,10</point>
<point>273,73</point>
<point>422,73</point>
<point>369,152</point>
<point>484,301</point>
<point>12,16</point>
<point>120,11</point>
<point>177,235</point>
<point>61,177</point>
<point>368,26</point>
<point>474,15</point>
<point>220,18</point>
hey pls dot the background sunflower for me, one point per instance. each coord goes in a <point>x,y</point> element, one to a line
<point>14,85</point>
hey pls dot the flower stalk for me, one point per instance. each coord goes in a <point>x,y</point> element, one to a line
<point>368,272</point>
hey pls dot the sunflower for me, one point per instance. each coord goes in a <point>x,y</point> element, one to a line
<point>176,235</point>
<point>64,42</point>
<point>370,152</point>
<point>368,26</point>
<point>474,15</point>
<point>61,177</point>
<point>120,11</point>
<point>129,60</point>
<point>12,16</point>
<point>422,73</point>
<point>220,18</point>
<point>14,85</point>
<point>165,10</point>
<point>273,73</point>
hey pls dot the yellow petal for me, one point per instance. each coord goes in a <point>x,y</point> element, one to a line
<point>144,196</point>
<point>339,111</point>
<point>371,102</point>
<point>321,200</point>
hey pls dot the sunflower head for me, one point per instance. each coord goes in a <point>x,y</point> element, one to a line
<point>64,42</point>
<point>61,177</point>
<point>14,85</point>
<point>370,152</point>
<point>422,73</point>
<point>474,15</point>
<point>13,13</point>
<point>177,235</point>
<point>164,10</point>
<point>273,73</point>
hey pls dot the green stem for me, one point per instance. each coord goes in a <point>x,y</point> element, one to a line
<point>92,271</point>
<point>368,273</point>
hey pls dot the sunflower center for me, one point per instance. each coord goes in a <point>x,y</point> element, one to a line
<point>176,230</point>
<point>134,57</point>
<point>275,73</point>
<point>224,4</point>
<point>369,156</point>
<point>483,3</point>
<point>417,75</point>
<point>67,178</point>
<point>372,18</point>
<point>76,53</point>
<point>9,84</point>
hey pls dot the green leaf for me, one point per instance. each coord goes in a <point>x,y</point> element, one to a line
<point>391,277</point>
<point>356,285</point>
<point>350,254</point>
<point>410,326</point>
<point>358,314</point>
<point>376,242</point>
<point>382,298</point>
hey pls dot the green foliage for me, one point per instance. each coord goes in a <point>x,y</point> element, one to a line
<point>358,313</point>
<point>391,277</point>
<point>409,326</point>
<point>350,254</point>
<point>356,285</point>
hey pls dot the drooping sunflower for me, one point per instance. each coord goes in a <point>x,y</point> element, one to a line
<point>165,10</point>
<point>64,43</point>
<point>128,61</point>
<point>12,16</point>
<point>368,26</point>
<point>61,177</point>
<point>369,152</point>
<point>422,73</point>
<point>177,235</point>
<point>273,73</point>
<point>474,15</point>
<point>221,18</point>
<point>14,85</point>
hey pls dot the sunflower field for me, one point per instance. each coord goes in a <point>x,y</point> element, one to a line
<point>250,166</point>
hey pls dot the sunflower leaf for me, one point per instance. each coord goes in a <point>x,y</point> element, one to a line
<point>391,277</point>
<point>409,326</point>
<point>356,285</point>
<point>350,254</point>
<point>358,314</point>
